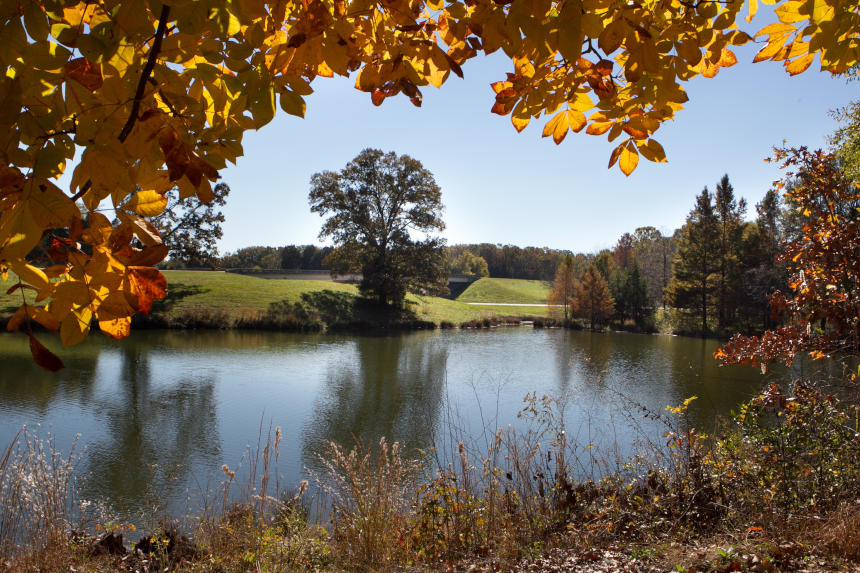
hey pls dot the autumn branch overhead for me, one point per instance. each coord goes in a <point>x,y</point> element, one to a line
<point>613,69</point>
<point>147,71</point>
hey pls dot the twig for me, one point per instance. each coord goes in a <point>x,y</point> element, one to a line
<point>147,70</point>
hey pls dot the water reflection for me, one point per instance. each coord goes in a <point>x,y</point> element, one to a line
<point>25,386</point>
<point>153,437</point>
<point>394,389</point>
<point>564,360</point>
<point>161,412</point>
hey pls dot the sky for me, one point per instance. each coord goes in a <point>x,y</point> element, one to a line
<point>500,186</point>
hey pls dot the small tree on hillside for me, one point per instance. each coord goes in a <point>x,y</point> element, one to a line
<point>563,286</point>
<point>373,205</point>
<point>593,301</point>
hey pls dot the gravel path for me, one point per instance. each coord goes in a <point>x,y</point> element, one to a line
<point>512,304</point>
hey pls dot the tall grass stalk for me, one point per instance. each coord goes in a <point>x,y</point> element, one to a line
<point>35,495</point>
<point>369,493</point>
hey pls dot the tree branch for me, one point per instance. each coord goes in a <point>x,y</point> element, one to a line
<point>84,188</point>
<point>147,70</point>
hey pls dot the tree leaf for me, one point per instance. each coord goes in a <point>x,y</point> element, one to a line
<point>616,153</point>
<point>727,58</point>
<point>520,123</point>
<point>148,285</point>
<point>76,326</point>
<point>33,276</point>
<point>652,151</point>
<point>629,158</point>
<point>117,327</point>
<point>146,203</point>
<point>753,8</point>
<point>19,233</point>
<point>149,256</point>
<point>44,357</point>
<point>293,103</point>
<point>577,120</point>
<point>799,65</point>
<point>612,36</point>
<point>570,30</point>
<point>769,51</point>
<point>557,127</point>
<point>85,73</point>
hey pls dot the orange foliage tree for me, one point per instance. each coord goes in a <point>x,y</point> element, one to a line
<point>821,315</point>
<point>564,285</point>
<point>593,301</point>
<point>154,95</point>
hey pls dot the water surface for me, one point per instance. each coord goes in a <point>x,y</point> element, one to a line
<point>158,414</point>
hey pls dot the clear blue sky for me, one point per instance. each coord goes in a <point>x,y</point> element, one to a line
<point>499,186</point>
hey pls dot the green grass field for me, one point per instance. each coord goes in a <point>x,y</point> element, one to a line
<point>233,297</point>
<point>506,290</point>
<point>234,293</point>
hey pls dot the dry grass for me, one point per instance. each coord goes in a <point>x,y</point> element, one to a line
<point>762,496</point>
<point>35,496</point>
<point>369,493</point>
<point>840,532</point>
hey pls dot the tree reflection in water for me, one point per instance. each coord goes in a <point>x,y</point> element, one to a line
<point>156,438</point>
<point>394,389</point>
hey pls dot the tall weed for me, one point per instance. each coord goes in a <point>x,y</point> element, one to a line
<point>370,493</point>
<point>36,492</point>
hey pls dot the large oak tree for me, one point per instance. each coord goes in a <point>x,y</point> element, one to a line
<point>191,228</point>
<point>374,206</point>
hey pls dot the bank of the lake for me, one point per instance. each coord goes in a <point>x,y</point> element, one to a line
<point>221,300</point>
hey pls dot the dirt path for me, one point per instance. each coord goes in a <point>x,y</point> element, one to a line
<point>512,304</point>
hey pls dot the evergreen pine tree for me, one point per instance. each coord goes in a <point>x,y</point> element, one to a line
<point>635,293</point>
<point>729,213</point>
<point>697,261</point>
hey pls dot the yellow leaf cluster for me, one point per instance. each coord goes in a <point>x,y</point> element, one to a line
<point>805,28</point>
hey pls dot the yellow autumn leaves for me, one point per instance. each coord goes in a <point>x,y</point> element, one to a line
<point>828,28</point>
<point>633,58</point>
<point>149,95</point>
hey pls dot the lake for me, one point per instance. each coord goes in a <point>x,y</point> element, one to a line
<point>158,414</point>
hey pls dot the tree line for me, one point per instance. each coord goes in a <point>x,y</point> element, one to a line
<point>484,259</point>
<point>289,257</point>
<point>714,273</point>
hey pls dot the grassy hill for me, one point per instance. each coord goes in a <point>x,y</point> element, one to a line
<point>225,300</point>
<point>506,291</point>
